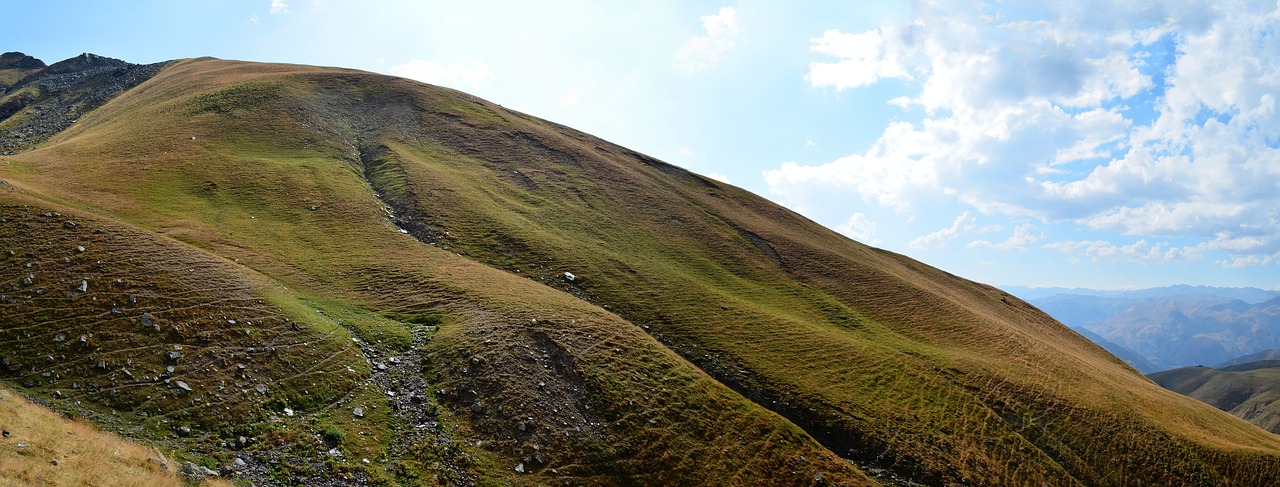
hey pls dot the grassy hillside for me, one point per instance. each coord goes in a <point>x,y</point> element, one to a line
<point>489,378</point>
<point>1249,390</point>
<point>572,309</point>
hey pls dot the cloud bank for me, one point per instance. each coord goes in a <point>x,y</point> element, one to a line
<point>1145,120</point>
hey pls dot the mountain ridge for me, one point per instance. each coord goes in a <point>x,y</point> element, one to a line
<point>577,309</point>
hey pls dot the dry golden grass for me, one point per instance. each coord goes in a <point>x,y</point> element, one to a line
<point>56,451</point>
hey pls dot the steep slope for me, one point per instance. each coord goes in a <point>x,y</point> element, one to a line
<point>461,374</point>
<point>1249,390</point>
<point>564,271</point>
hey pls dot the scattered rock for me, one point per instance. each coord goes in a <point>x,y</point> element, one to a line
<point>5,433</point>
<point>261,388</point>
<point>477,408</point>
<point>183,385</point>
<point>184,431</point>
<point>29,279</point>
<point>241,442</point>
<point>172,355</point>
<point>84,285</point>
<point>79,248</point>
<point>357,412</point>
<point>159,463</point>
<point>69,224</point>
<point>288,412</point>
<point>238,463</point>
<point>568,276</point>
<point>195,473</point>
<point>520,467</point>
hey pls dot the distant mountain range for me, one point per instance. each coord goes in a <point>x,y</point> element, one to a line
<point>1167,327</point>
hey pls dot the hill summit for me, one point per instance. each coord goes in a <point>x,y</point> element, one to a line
<point>305,275</point>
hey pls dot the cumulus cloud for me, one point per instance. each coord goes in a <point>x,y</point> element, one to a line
<point>1140,251</point>
<point>1024,236</point>
<point>721,31</point>
<point>457,75</point>
<point>1150,119</point>
<point>278,7</point>
<point>963,223</point>
<point>861,60</point>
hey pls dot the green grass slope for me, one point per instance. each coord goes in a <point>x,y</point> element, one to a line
<point>1250,391</point>
<point>489,378</point>
<point>296,174</point>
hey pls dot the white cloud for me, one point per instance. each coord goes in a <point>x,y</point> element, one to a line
<point>859,227</point>
<point>1022,238</point>
<point>278,7</point>
<point>453,74</point>
<point>963,223</point>
<point>253,17</point>
<point>1140,251</point>
<point>702,51</point>
<point>862,59</point>
<point>1153,119</point>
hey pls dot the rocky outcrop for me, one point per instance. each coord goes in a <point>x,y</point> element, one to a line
<point>17,60</point>
<point>49,100</point>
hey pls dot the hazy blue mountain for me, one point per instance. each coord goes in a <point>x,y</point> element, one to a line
<point>1265,355</point>
<point>1168,327</point>
<point>1134,359</point>
<point>1247,294</point>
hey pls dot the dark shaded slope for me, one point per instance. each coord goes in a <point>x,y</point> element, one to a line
<point>153,339</point>
<point>1250,391</point>
<point>14,66</point>
<point>45,102</point>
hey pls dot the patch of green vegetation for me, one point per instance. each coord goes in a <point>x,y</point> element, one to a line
<point>380,331</point>
<point>241,97</point>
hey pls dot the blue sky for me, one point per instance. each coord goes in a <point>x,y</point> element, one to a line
<point>1102,144</point>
